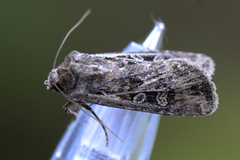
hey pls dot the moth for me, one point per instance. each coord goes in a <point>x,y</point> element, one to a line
<point>163,82</point>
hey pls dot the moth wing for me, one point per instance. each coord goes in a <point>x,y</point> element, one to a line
<point>171,87</point>
<point>203,61</point>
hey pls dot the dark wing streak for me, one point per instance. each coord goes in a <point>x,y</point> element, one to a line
<point>117,102</point>
<point>137,91</point>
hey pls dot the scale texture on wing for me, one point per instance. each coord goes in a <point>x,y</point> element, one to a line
<point>156,84</point>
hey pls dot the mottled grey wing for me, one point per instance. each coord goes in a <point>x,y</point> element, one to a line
<point>170,87</point>
<point>198,59</point>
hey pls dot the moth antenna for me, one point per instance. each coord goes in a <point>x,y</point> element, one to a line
<point>69,32</point>
<point>99,121</point>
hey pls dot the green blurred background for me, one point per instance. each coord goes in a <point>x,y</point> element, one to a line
<point>31,118</point>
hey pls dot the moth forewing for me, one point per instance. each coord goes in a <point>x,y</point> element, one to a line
<point>197,59</point>
<point>161,83</point>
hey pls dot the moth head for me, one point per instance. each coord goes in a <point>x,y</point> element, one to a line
<point>62,79</point>
<point>52,80</point>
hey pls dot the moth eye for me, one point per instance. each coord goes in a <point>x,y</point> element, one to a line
<point>162,99</point>
<point>139,98</point>
<point>59,86</point>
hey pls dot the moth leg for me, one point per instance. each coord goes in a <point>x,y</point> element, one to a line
<point>91,110</point>
<point>67,108</point>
